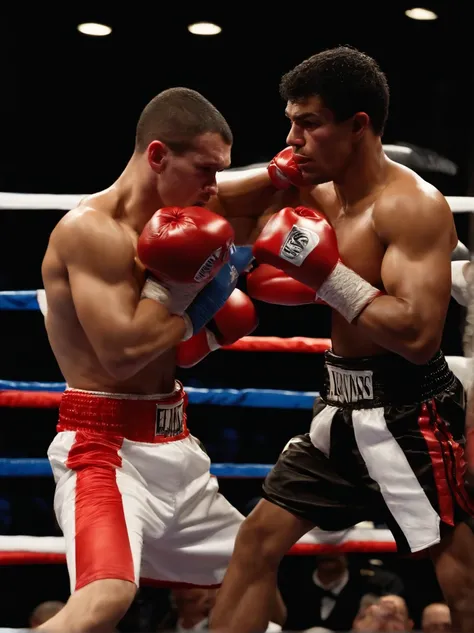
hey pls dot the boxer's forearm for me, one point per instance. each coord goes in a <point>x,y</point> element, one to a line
<point>243,177</point>
<point>393,324</point>
<point>134,344</point>
<point>243,193</point>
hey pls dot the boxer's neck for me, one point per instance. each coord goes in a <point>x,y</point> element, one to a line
<point>365,172</point>
<point>136,189</point>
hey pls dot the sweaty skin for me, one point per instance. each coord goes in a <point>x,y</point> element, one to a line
<point>104,338</point>
<point>399,237</point>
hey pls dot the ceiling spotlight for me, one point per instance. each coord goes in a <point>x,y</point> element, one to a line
<point>421,14</point>
<point>92,28</point>
<point>204,28</point>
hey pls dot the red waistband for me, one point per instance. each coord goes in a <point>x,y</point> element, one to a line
<point>138,418</point>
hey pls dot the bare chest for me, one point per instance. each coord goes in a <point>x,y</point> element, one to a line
<point>359,246</point>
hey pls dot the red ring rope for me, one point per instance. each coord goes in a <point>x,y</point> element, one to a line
<point>30,399</point>
<point>277,344</point>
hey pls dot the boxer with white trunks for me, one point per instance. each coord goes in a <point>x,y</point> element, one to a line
<point>373,241</point>
<point>138,278</point>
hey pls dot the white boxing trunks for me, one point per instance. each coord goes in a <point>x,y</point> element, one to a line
<point>134,495</point>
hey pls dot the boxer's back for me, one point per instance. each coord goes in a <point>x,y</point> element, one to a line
<point>360,240</point>
<point>73,351</point>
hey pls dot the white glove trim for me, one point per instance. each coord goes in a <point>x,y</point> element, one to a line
<point>211,340</point>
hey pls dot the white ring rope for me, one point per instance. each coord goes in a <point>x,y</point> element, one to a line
<point>65,202</point>
<point>355,538</point>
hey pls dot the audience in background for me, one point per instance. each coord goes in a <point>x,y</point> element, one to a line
<point>387,614</point>
<point>190,606</point>
<point>330,592</point>
<point>436,618</point>
<point>190,609</point>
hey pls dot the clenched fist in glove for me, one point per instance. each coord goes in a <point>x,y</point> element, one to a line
<point>283,170</point>
<point>302,243</point>
<point>237,318</point>
<point>183,249</point>
<point>271,285</point>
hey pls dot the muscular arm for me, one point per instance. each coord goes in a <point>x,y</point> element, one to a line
<point>126,332</point>
<point>247,198</point>
<point>416,273</point>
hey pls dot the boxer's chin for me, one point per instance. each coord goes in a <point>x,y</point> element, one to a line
<point>311,179</point>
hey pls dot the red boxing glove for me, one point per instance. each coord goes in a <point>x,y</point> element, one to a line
<point>302,243</point>
<point>183,249</point>
<point>283,170</point>
<point>267,283</point>
<point>185,245</point>
<point>235,319</point>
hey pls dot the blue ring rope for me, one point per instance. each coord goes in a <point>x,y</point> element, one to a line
<point>258,398</point>
<point>40,467</point>
<point>19,300</point>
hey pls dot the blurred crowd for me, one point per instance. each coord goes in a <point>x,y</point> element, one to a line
<point>334,596</point>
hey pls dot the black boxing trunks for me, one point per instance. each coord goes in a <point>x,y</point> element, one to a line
<point>385,444</point>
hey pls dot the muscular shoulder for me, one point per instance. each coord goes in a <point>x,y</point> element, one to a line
<point>411,209</point>
<point>87,235</point>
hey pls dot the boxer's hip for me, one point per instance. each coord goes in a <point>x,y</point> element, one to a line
<point>385,444</point>
<point>152,418</point>
<point>385,380</point>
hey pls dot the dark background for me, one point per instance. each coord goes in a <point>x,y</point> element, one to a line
<point>68,110</point>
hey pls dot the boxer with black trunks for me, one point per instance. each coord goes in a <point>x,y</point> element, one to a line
<point>133,287</point>
<point>372,240</point>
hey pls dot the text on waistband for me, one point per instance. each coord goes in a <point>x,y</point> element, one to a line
<point>346,385</point>
<point>169,419</point>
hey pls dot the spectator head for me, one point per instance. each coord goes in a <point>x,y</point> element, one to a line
<point>436,618</point>
<point>387,614</point>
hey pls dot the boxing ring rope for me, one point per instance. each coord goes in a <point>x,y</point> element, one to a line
<point>66,202</point>
<point>24,549</point>
<point>28,550</point>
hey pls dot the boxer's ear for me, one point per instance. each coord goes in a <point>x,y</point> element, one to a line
<point>156,153</point>
<point>360,122</point>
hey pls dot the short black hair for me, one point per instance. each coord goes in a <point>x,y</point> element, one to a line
<point>176,117</point>
<point>346,80</point>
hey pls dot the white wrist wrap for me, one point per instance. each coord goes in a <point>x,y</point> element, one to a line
<point>459,289</point>
<point>176,297</point>
<point>154,290</point>
<point>345,291</point>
